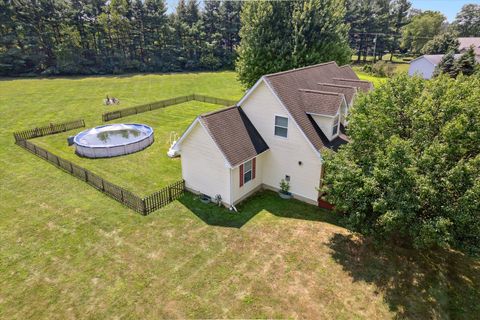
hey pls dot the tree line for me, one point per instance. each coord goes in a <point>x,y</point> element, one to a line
<point>52,37</point>
<point>116,36</point>
<point>381,26</point>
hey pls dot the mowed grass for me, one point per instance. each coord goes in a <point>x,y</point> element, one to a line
<point>151,169</point>
<point>142,172</point>
<point>68,251</point>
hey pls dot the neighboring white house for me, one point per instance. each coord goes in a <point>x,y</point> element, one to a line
<point>425,65</point>
<point>278,130</point>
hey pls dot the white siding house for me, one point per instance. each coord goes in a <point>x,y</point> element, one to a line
<point>278,130</point>
<point>291,156</point>
<point>203,165</point>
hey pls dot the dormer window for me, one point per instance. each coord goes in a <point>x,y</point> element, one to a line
<point>281,126</point>
<point>335,125</point>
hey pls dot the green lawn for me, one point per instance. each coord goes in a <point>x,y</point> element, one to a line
<point>68,251</point>
<point>143,172</point>
<point>386,57</point>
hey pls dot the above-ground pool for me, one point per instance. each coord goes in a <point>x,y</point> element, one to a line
<point>113,140</point>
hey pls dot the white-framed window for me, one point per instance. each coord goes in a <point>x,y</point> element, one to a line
<point>281,126</point>
<point>335,125</point>
<point>247,171</point>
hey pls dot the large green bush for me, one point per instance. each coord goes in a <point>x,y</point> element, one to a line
<point>412,169</point>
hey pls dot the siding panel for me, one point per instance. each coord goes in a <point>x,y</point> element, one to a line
<point>285,153</point>
<point>203,166</point>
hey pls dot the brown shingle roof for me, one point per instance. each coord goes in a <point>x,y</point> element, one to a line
<point>348,91</point>
<point>465,44</point>
<point>347,72</point>
<point>363,85</point>
<point>234,134</point>
<point>318,102</point>
<point>286,85</point>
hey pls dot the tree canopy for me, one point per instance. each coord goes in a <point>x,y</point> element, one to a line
<point>444,42</point>
<point>422,29</point>
<point>467,21</point>
<point>375,25</point>
<point>98,36</point>
<point>280,35</point>
<point>412,169</point>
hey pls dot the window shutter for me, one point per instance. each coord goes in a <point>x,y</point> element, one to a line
<point>254,167</point>
<point>241,175</point>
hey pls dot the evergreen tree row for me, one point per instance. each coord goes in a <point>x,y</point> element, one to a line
<point>116,36</point>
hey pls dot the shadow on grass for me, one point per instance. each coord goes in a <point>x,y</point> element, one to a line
<point>264,200</point>
<point>438,284</point>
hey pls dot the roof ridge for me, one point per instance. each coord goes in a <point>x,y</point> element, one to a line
<point>297,69</point>
<point>321,92</point>
<point>336,85</point>
<point>203,115</point>
<point>355,80</point>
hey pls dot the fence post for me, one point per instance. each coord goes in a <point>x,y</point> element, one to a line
<point>103,186</point>
<point>121,194</point>
<point>169,194</point>
<point>86,175</point>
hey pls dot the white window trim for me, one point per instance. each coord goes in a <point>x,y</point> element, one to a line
<point>245,172</point>
<point>337,116</point>
<point>274,125</point>
<point>262,79</point>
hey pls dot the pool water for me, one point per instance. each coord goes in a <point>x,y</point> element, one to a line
<point>113,140</point>
<point>112,137</point>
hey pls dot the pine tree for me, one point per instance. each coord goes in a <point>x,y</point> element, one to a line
<point>447,65</point>
<point>105,36</point>
<point>157,35</point>
<point>138,29</point>
<point>230,29</point>
<point>466,63</point>
<point>10,58</point>
<point>398,19</point>
<point>213,52</point>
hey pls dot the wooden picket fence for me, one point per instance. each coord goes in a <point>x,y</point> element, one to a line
<point>143,206</point>
<point>163,197</point>
<point>47,130</point>
<point>108,116</point>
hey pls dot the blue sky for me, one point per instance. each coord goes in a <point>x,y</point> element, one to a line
<point>448,7</point>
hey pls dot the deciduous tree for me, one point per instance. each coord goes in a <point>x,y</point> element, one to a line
<point>442,43</point>
<point>422,29</point>
<point>467,22</point>
<point>280,35</point>
<point>412,169</point>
